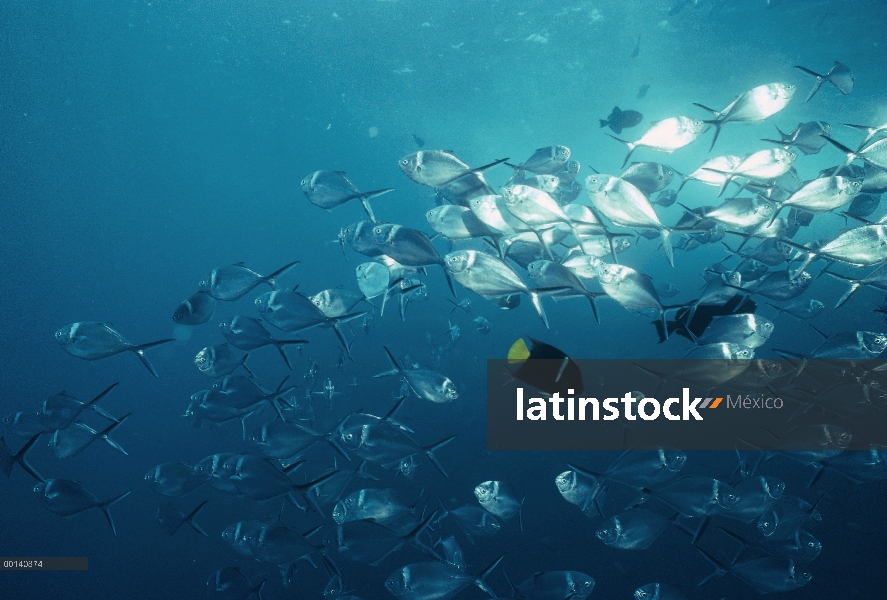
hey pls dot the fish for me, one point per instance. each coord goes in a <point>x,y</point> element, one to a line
<point>871,131</point>
<point>61,410</point>
<point>482,325</point>
<point>473,520</point>
<point>648,177</point>
<point>642,91</point>
<point>372,279</point>
<point>247,333</point>
<point>329,189</point>
<point>621,119</point>
<point>425,383</point>
<point>68,443</point>
<point>231,584</point>
<point>765,574</point>
<point>93,341</point>
<point>233,282</point>
<point>806,137</point>
<point>219,361</point>
<point>420,141</point>
<point>435,581</point>
<point>666,135</point>
<point>174,479</point>
<point>839,76</point>
<point>171,519</point>
<point>490,277</point>
<point>456,222</point>
<point>757,104</point>
<point>874,154</point>
<point>802,309</point>
<point>437,168</point>
<point>693,326</point>
<point>196,310</point>
<point>67,498</point>
<point>496,498</point>
<point>635,529</point>
<point>544,161</point>
<point>631,289</point>
<point>544,367</point>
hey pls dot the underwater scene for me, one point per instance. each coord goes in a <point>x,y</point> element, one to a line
<point>264,265</point>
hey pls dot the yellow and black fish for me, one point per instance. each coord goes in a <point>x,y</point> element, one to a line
<point>545,367</point>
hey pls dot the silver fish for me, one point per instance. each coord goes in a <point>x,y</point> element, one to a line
<point>667,135</point>
<point>756,104</point>
<point>67,498</point>
<point>328,189</point>
<point>195,310</point>
<point>456,222</point>
<point>236,281</point>
<point>218,361</point>
<point>92,341</point>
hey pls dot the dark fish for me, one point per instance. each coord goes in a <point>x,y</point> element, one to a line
<point>508,302</point>
<point>545,367</point>
<point>92,341</point>
<point>622,119</point>
<point>230,584</point>
<point>174,479</point>
<point>67,498</point>
<point>637,48</point>
<point>420,141</point>
<point>642,91</point>
<point>806,137</point>
<point>195,310</point>
<point>839,76</point>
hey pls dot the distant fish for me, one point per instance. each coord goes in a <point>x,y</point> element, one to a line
<point>642,91</point>
<point>637,48</point>
<point>420,141</point>
<point>622,119</point>
<point>544,367</point>
<point>839,76</point>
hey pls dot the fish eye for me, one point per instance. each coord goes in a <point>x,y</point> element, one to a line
<point>405,161</point>
<point>203,283</point>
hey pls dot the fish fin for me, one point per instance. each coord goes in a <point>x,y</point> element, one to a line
<point>106,508</point>
<point>716,113</point>
<point>518,352</point>
<point>665,234</point>
<point>93,403</point>
<point>283,355</point>
<point>140,352</point>
<point>631,147</point>
<point>430,450</point>
<point>105,434</point>
<point>492,164</point>
<point>604,123</point>
<point>270,279</point>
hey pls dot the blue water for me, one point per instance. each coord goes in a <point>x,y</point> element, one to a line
<point>143,144</point>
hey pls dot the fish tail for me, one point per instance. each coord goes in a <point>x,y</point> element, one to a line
<point>270,279</point>
<point>190,519</point>
<point>631,147</point>
<point>106,508</point>
<point>450,281</point>
<point>819,80</point>
<point>140,352</point>
<point>720,568</point>
<point>481,577</point>
<point>397,369</point>
<point>105,434</point>
<point>718,124</point>
<point>430,450</point>
<point>851,155</point>
<point>93,404</point>
<point>7,459</point>
<point>603,123</point>
<point>246,368</point>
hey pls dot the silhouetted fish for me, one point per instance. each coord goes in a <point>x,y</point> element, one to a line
<point>622,119</point>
